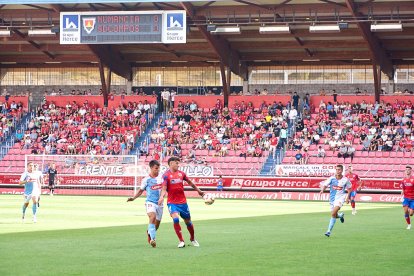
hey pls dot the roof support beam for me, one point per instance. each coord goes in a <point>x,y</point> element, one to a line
<point>228,56</point>
<point>377,81</point>
<point>113,60</point>
<point>34,44</point>
<point>378,53</point>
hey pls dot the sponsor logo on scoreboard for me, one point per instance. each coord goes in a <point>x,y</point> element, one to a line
<point>175,21</point>
<point>70,23</point>
<point>89,24</point>
<point>69,28</point>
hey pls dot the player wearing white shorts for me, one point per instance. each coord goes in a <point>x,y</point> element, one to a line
<point>340,188</point>
<point>32,189</point>
<point>152,184</point>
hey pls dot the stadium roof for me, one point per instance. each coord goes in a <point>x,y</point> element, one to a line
<point>353,44</point>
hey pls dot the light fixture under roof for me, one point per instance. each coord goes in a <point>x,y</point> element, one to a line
<point>324,28</point>
<point>386,27</point>
<point>5,33</point>
<point>40,32</point>
<point>226,30</point>
<point>274,29</point>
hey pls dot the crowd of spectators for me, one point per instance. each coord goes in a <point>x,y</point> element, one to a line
<point>343,127</point>
<point>82,128</point>
<point>243,128</point>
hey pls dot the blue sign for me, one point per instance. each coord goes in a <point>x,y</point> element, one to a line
<point>70,22</point>
<point>175,21</point>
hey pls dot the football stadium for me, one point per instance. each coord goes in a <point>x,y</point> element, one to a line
<point>228,137</point>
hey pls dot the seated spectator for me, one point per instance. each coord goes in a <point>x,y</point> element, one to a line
<point>366,144</point>
<point>342,152</point>
<point>321,152</point>
<point>298,157</point>
<point>305,157</point>
<point>19,135</point>
<point>388,145</point>
<point>350,152</point>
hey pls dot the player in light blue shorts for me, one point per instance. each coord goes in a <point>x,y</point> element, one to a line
<point>152,184</point>
<point>339,187</point>
<point>30,180</point>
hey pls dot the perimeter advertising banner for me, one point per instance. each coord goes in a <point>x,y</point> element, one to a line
<point>241,183</point>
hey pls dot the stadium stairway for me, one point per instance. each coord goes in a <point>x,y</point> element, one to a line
<point>271,162</point>
<point>145,135</point>
<point>9,141</point>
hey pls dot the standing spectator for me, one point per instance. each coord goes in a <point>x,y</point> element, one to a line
<point>52,172</point>
<point>295,100</point>
<point>172,97</point>
<point>220,184</point>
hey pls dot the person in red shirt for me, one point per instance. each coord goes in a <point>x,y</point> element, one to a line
<point>173,183</point>
<point>408,194</point>
<point>356,187</point>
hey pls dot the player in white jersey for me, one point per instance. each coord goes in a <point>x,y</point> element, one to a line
<point>340,188</point>
<point>39,175</point>
<point>30,180</point>
<point>152,184</point>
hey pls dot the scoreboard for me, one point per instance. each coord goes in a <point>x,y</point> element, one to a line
<point>123,27</point>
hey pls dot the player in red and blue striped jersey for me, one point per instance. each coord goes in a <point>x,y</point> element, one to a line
<point>173,184</point>
<point>356,187</point>
<point>408,194</point>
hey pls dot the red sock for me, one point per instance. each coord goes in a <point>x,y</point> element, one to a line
<point>407,218</point>
<point>177,229</point>
<point>353,204</point>
<point>190,228</point>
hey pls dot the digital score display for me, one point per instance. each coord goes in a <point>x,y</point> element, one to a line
<point>123,27</point>
<point>118,28</point>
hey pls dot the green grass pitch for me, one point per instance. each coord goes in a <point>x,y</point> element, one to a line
<point>106,236</point>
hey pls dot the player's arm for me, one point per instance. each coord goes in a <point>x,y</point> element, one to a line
<point>324,184</point>
<point>162,195</point>
<point>200,192</point>
<point>359,184</point>
<point>348,189</point>
<point>135,196</point>
<point>163,190</point>
<point>23,179</point>
<point>140,191</point>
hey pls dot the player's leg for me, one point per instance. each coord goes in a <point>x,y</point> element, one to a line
<point>25,204</point>
<point>174,213</point>
<point>151,228</point>
<point>185,214</point>
<point>352,197</point>
<point>406,207</point>
<point>158,217</point>
<point>334,216</point>
<point>34,207</point>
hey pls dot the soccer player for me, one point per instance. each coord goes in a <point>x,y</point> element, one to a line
<point>30,180</point>
<point>173,183</point>
<point>339,192</point>
<point>356,187</point>
<point>52,172</point>
<point>41,180</point>
<point>152,185</point>
<point>408,193</point>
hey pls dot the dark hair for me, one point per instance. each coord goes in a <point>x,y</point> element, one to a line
<point>408,167</point>
<point>340,166</point>
<point>174,158</point>
<point>153,163</point>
